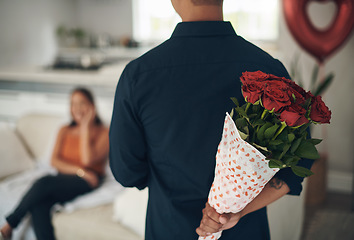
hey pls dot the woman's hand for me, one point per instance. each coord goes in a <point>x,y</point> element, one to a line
<point>90,177</point>
<point>213,222</point>
<point>89,117</point>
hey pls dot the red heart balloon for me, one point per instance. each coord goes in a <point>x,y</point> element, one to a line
<point>319,43</point>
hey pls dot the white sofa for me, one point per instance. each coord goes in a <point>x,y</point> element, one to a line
<point>122,217</point>
<point>26,148</point>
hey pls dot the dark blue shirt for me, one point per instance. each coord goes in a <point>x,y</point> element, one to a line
<point>167,122</point>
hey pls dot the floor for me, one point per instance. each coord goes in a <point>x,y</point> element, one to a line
<point>333,219</point>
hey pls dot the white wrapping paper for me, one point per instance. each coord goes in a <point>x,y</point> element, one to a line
<point>241,173</point>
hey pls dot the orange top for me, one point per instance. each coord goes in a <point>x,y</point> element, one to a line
<point>70,152</point>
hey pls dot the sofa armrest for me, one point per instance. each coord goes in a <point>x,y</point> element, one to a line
<point>14,156</point>
<point>38,132</point>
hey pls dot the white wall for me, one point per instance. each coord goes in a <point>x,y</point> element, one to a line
<point>340,133</point>
<point>27,30</point>
<point>28,27</point>
<point>108,16</point>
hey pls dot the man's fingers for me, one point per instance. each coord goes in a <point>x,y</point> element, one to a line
<point>201,233</point>
<point>211,212</point>
<point>210,222</point>
<point>209,225</point>
<point>224,218</point>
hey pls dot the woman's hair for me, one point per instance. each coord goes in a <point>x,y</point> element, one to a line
<point>207,2</point>
<point>88,95</point>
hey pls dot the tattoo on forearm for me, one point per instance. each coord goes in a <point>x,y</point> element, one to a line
<point>276,183</point>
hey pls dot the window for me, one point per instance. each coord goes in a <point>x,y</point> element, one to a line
<point>255,20</point>
<point>153,20</point>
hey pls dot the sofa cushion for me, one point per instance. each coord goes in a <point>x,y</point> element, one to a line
<point>39,132</point>
<point>130,209</point>
<point>14,156</point>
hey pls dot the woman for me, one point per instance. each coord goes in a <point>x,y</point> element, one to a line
<point>79,155</point>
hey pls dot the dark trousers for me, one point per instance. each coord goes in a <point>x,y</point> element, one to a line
<point>41,197</point>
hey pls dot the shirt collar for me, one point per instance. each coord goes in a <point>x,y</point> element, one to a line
<point>203,29</point>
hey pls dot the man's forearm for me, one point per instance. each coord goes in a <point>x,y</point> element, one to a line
<point>272,191</point>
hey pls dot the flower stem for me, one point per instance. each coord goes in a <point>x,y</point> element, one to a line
<point>264,113</point>
<point>280,130</point>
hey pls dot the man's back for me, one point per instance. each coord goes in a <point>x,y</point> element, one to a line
<point>170,105</point>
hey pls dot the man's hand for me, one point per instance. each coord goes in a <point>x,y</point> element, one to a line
<point>213,222</point>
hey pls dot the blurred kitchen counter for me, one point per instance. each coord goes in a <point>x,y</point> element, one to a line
<point>34,89</point>
<point>47,80</point>
<point>107,75</point>
<point>26,89</point>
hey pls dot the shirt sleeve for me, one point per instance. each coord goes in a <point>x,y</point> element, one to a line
<point>293,181</point>
<point>127,152</point>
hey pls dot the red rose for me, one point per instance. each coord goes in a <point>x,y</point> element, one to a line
<point>253,76</point>
<point>275,95</point>
<point>319,111</point>
<point>283,79</point>
<point>252,91</point>
<point>309,95</point>
<point>299,98</point>
<point>295,89</point>
<point>294,115</point>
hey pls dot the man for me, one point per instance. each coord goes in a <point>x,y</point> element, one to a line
<point>167,122</point>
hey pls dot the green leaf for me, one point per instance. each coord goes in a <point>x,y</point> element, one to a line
<point>235,101</point>
<point>246,130</point>
<point>256,108</point>
<point>241,123</point>
<point>260,133</point>
<point>269,132</point>
<point>307,106</point>
<point>293,69</point>
<point>304,127</point>
<point>242,112</point>
<point>315,141</point>
<point>274,163</point>
<point>285,150</point>
<point>258,122</point>
<point>291,160</point>
<point>283,136</point>
<point>232,113</point>
<point>276,142</point>
<point>301,171</point>
<point>314,77</point>
<point>244,136</point>
<point>291,137</point>
<point>295,145</point>
<point>295,73</point>
<point>307,149</point>
<point>324,85</point>
<point>260,147</point>
<point>252,115</point>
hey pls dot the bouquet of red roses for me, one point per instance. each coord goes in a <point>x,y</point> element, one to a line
<point>267,133</point>
<point>275,118</point>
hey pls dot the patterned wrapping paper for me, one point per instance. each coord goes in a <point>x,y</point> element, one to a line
<point>241,173</point>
